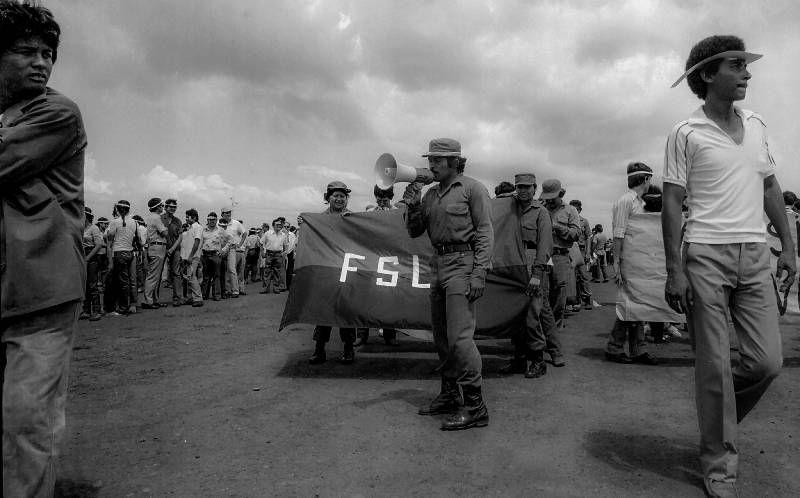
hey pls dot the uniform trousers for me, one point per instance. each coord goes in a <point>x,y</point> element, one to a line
<point>121,277</point>
<point>730,280</point>
<point>37,348</point>
<point>600,267</point>
<point>156,253</point>
<point>453,317</point>
<point>91,298</point>
<point>546,319</point>
<point>558,287</point>
<point>322,333</point>
<point>530,336</point>
<point>582,282</point>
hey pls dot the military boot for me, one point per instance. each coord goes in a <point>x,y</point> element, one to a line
<point>448,400</point>
<point>472,414</point>
<point>538,367</point>
<point>319,354</point>
<point>516,365</point>
<point>348,355</point>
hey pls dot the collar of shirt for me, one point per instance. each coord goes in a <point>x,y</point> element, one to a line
<point>698,117</point>
<point>438,187</point>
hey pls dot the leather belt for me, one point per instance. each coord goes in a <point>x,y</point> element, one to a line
<point>529,244</point>
<point>273,252</point>
<point>157,243</point>
<point>451,248</point>
<point>562,251</point>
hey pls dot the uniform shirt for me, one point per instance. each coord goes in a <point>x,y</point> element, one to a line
<point>724,181</point>
<point>194,232</point>
<point>586,232</point>
<point>212,238</point>
<point>274,242</point>
<point>174,228</point>
<point>91,238</point>
<point>566,225</point>
<point>42,144</point>
<point>535,227</point>
<point>630,203</point>
<point>123,235</point>
<point>459,214</point>
<point>156,230</point>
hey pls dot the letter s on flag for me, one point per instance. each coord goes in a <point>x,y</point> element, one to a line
<point>393,274</point>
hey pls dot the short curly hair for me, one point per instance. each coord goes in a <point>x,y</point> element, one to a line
<point>706,48</point>
<point>20,20</point>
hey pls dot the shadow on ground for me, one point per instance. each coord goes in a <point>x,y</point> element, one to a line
<point>375,366</point>
<point>669,458</point>
<point>67,488</point>
<point>663,361</point>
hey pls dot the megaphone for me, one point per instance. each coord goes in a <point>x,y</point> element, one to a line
<point>388,172</point>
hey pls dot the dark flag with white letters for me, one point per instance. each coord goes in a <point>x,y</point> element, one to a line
<point>363,270</point>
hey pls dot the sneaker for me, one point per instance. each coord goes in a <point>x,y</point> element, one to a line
<point>720,489</point>
<point>114,313</point>
<point>198,304</point>
<point>674,332</point>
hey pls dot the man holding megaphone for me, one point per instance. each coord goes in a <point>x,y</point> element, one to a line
<point>457,216</point>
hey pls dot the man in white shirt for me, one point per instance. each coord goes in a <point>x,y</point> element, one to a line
<point>275,245</point>
<point>210,258</point>
<point>252,251</point>
<point>235,255</point>
<point>719,159</point>
<point>190,258</point>
<point>156,252</point>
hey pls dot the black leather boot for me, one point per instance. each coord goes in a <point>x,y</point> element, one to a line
<point>517,365</point>
<point>319,354</point>
<point>448,400</point>
<point>538,367</point>
<point>348,355</point>
<point>472,414</point>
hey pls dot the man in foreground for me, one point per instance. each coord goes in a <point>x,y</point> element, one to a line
<point>719,158</point>
<point>457,216</point>
<point>42,269</point>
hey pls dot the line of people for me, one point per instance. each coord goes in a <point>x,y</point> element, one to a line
<point>130,258</point>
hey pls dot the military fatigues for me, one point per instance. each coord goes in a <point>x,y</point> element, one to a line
<point>537,237</point>
<point>458,222</point>
<point>566,230</point>
<point>581,268</point>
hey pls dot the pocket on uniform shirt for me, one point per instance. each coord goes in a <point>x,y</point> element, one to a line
<point>458,216</point>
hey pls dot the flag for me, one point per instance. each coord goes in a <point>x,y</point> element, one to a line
<point>363,270</point>
<point>641,297</point>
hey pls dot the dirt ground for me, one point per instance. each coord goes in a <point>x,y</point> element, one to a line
<point>215,401</point>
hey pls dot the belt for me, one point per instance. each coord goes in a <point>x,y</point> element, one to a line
<point>273,252</point>
<point>451,248</point>
<point>157,243</point>
<point>210,251</point>
<point>529,244</point>
<point>561,251</point>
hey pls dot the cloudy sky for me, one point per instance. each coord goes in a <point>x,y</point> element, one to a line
<point>265,102</point>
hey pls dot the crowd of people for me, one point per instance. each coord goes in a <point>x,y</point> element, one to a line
<point>130,259</point>
<point>718,271</point>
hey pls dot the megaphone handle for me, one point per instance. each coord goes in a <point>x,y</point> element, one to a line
<point>413,193</point>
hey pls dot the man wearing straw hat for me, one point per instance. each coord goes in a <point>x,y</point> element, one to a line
<point>719,159</point>
<point>457,216</point>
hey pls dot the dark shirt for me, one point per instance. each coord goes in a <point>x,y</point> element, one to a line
<point>462,213</point>
<point>566,226</point>
<point>174,229</point>
<point>535,227</point>
<point>42,143</point>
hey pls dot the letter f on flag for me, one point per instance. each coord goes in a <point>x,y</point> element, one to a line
<point>346,265</point>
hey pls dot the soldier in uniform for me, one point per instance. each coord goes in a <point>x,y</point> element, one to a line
<point>582,267</point>
<point>537,236</point>
<point>457,216</point>
<point>566,230</point>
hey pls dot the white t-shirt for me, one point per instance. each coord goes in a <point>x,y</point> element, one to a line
<point>724,181</point>
<point>195,232</point>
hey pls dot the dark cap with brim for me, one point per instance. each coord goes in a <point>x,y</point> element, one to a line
<point>550,189</point>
